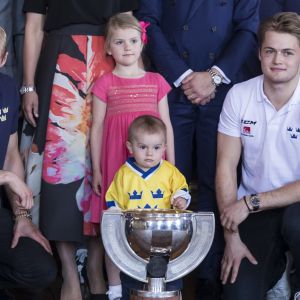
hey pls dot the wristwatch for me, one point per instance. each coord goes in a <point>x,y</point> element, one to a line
<point>26,89</point>
<point>215,77</point>
<point>254,202</point>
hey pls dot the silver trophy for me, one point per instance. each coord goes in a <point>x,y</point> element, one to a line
<point>157,246</point>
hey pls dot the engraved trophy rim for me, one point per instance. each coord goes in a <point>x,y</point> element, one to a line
<point>157,212</point>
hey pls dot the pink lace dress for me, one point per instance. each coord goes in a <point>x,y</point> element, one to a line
<point>126,98</point>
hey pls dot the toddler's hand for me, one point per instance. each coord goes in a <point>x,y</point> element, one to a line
<point>114,209</point>
<point>179,203</point>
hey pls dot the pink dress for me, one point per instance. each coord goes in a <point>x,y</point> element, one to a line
<point>126,98</point>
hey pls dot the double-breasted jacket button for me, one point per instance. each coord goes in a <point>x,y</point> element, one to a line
<point>211,55</point>
<point>185,54</point>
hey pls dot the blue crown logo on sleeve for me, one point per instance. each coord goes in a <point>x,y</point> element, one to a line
<point>158,195</point>
<point>294,136</point>
<point>297,129</point>
<point>289,128</point>
<point>135,195</point>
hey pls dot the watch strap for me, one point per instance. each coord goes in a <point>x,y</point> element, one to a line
<point>245,200</point>
<point>27,89</point>
<point>212,74</point>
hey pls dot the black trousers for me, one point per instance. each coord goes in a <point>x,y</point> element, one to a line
<point>267,235</point>
<point>28,265</point>
<point>195,137</point>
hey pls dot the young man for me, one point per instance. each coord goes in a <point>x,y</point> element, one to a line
<point>260,121</point>
<point>25,255</point>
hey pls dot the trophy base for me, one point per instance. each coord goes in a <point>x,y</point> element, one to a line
<point>163,295</point>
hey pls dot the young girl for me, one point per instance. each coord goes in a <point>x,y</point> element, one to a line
<point>118,98</point>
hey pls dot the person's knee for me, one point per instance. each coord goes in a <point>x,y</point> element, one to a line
<point>291,224</point>
<point>41,275</point>
<point>46,274</point>
<point>241,290</point>
<point>37,268</point>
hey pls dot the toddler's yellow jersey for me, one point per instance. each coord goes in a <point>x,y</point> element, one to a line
<point>155,188</point>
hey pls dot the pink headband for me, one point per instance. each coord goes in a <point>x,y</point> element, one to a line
<point>144,26</point>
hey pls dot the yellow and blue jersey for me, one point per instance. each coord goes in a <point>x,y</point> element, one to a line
<point>133,187</point>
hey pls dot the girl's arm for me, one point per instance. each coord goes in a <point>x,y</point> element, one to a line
<point>163,109</point>
<point>98,116</point>
<point>34,35</point>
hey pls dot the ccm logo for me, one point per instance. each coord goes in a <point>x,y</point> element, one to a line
<point>248,122</point>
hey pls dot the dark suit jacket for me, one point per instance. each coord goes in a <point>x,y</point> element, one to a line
<point>197,34</point>
<point>270,7</point>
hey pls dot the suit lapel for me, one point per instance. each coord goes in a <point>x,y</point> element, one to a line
<point>182,10</point>
<point>194,6</point>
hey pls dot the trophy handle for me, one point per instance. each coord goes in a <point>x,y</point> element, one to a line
<point>117,248</point>
<point>202,238</point>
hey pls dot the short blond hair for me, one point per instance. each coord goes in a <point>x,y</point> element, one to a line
<point>3,42</point>
<point>284,22</point>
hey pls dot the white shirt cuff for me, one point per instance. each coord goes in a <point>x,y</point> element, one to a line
<point>177,83</point>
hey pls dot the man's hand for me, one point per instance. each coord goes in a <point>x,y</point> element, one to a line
<point>179,203</point>
<point>233,215</point>
<point>198,88</point>
<point>235,251</point>
<point>25,228</point>
<point>18,187</point>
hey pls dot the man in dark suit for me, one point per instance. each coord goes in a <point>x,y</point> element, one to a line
<point>199,46</point>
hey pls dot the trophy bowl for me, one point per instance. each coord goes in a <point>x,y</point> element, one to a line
<point>157,246</point>
<point>151,232</point>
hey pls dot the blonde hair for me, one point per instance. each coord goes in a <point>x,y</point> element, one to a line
<point>284,22</point>
<point>146,124</point>
<point>3,42</point>
<point>121,20</point>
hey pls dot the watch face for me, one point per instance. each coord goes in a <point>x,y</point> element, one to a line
<point>255,202</point>
<point>217,79</point>
<point>26,89</point>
